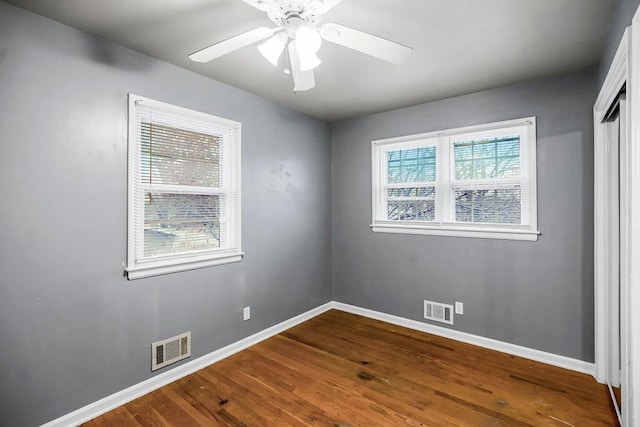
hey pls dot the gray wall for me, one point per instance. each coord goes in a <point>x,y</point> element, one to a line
<point>73,330</point>
<point>534,294</point>
<point>620,20</point>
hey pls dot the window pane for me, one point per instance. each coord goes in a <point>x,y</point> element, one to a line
<point>488,206</point>
<point>487,158</point>
<point>508,166</point>
<point>426,192</point>
<point>411,165</point>
<point>421,210</point>
<point>179,157</point>
<point>178,223</point>
<point>484,168</point>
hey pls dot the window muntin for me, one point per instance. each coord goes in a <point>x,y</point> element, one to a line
<point>458,181</point>
<point>184,189</point>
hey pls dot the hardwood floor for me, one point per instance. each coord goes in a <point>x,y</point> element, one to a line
<point>340,369</point>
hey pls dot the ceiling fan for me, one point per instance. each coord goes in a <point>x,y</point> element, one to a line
<point>298,30</point>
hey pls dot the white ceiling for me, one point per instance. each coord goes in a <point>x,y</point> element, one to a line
<point>460,46</point>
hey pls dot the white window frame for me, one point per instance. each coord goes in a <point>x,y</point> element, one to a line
<point>139,266</point>
<point>444,223</point>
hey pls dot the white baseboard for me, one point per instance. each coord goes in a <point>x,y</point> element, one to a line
<point>515,350</point>
<point>115,400</point>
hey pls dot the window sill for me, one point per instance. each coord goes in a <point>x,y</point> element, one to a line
<point>457,231</point>
<point>158,268</point>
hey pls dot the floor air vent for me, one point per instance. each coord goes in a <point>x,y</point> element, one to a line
<point>171,350</point>
<point>438,312</point>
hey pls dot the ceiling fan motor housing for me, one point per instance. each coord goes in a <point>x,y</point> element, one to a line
<point>291,14</point>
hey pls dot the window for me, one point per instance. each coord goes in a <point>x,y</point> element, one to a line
<point>477,181</point>
<point>184,189</point>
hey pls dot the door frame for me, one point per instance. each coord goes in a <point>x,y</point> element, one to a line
<point>624,70</point>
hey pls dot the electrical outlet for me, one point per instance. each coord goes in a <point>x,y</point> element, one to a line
<point>459,308</point>
<point>246,313</point>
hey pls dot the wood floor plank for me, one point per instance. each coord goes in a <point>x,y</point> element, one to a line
<point>119,417</point>
<point>330,396</point>
<point>146,412</point>
<point>362,384</point>
<point>345,404</point>
<point>274,388</point>
<point>340,369</point>
<point>253,408</point>
<point>171,410</point>
<point>501,361</point>
<point>526,388</point>
<point>568,388</point>
<point>200,414</point>
<point>223,401</point>
<point>413,372</point>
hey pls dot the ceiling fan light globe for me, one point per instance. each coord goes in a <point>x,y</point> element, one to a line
<point>308,42</point>
<point>307,39</point>
<point>273,48</point>
<point>309,61</point>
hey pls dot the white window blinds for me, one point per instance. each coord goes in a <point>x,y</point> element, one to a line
<point>490,177</point>
<point>184,189</point>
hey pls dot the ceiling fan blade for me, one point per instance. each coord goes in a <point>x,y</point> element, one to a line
<point>327,5</point>
<point>229,45</point>
<point>302,80</point>
<point>366,43</point>
<point>263,5</point>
